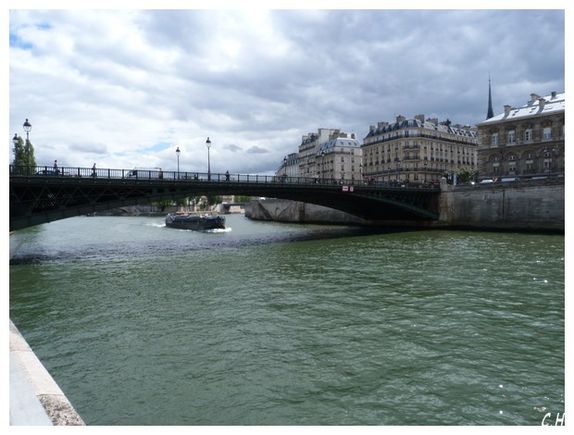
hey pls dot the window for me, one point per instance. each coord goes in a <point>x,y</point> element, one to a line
<point>528,135</point>
<point>547,133</point>
<point>512,168</point>
<point>511,137</point>
<point>494,139</point>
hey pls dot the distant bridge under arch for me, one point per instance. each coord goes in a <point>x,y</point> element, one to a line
<point>41,194</point>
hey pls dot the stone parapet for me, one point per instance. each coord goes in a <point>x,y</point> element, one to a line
<point>35,398</point>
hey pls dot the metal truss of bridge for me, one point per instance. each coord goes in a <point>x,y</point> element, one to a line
<point>43,194</point>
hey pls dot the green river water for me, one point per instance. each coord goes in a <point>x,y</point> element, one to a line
<point>276,324</point>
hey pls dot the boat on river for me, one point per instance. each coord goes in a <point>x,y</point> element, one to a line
<point>192,221</point>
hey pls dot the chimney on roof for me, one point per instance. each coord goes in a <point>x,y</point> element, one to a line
<point>533,98</point>
<point>400,119</point>
<point>421,118</point>
<point>507,110</point>
<point>553,94</point>
<point>371,128</point>
<point>541,102</point>
<point>352,135</point>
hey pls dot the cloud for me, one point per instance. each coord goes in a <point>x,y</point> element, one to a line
<point>131,86</point>
<point>89,148</point>
<point>257,150</point>
<point>233,148</point>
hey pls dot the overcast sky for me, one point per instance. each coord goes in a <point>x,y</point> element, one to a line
<point>123,89</point>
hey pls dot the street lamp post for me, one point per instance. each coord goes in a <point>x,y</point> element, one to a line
<point>177,151</point>
<point>27,127</point>
<point>285,165</point>
<point>208,144</point>
<point>323,165</point>
<point>426,163</point>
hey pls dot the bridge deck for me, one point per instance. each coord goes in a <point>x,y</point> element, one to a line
<point>42,194</point>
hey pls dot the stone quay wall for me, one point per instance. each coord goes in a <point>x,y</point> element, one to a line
<point>523,206</point>
<point>518,206</point>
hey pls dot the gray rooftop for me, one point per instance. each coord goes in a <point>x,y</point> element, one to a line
<point>443,127</point>
<point>536,106</point>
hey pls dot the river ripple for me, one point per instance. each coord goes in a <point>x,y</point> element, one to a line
<point>293,324</point>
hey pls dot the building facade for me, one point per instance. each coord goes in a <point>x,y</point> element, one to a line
<point>525,141</point>
<point>418,150</point>
<point>319,151</point>
<point>289,167</point>
<point>340,159</point>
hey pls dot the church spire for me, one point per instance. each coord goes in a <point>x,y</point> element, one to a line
<point>489,113</point>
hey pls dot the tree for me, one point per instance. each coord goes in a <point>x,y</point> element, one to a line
<point>29,153</point>
<point>213,199</point>
<point>24,155</point>
<point>19,159</point>
<point>466,175</point>
<point>243,198</point>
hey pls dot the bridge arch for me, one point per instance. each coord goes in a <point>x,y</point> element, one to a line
<point>38,195</point>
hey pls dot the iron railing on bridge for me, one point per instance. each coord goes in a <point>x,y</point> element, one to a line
<point>158,175</point>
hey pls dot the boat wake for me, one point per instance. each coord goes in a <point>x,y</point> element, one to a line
<point>219,230</point>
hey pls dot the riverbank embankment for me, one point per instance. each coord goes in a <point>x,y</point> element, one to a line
<point>35,398</point>
<point>519,206</point>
